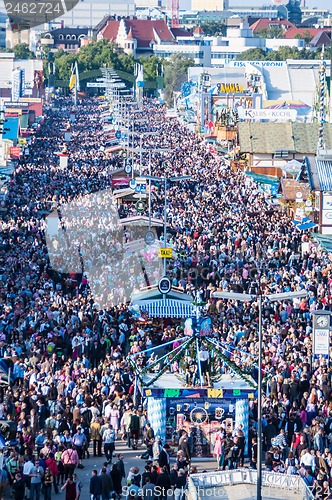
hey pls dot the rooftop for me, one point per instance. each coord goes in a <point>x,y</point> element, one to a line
<point>144,31</point>
<point>270,137</point>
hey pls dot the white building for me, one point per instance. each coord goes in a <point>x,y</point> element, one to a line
<point>212,51</point>
<point>90,13</point>
<point>209,4</point>
<point>200,52</point>
<point>148,3</point>
<point>236,41</point>
<point>9,67</point>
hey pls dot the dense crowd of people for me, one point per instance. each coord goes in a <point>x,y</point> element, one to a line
<point>66,325</point>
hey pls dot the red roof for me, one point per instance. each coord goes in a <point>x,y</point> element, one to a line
<point>266,24</point>
<point>304,32</point>
<point>198,31</point>
<point>180,32</point>
<point>130,33</point>
<point>144,31</point>
<point>111,30</point>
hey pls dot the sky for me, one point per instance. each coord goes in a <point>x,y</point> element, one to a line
<point>321,4</point>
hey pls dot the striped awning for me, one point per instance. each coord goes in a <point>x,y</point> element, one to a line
<point>168,309</point>
<point>324,167</point>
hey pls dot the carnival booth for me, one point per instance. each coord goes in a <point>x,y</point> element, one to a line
<point>192,382</point>
<point>200,411</point>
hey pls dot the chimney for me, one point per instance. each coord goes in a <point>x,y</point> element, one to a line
<point>62,24</point>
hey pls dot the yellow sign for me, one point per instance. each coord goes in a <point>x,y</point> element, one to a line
<point>33,100</point>
<point>165,253</point>
<point>215,393</point>
<point>22,140</point>
<point>231,88</point>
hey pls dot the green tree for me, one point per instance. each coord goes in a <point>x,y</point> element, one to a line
<point>175,73</point>
<point>307,37</point>
<point>261,33</point>
<point>253,55</point>
<point>275,32</point>
<point>63,63</point>
<point>213,28</point>
<point>22,51</point>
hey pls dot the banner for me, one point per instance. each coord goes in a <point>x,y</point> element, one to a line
<point>321,342</point>
<point>267,114</point>
<point>15,152</point>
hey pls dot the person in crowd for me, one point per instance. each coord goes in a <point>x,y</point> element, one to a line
<point>36,475</point>
<point>95,485</point>
<point>70,488</point>
<point>47,484</point>
<point>18,487</point>
<point>163,483</point>
<point>70,334</point>
<point>164,458</point>
<point>109,436</point>
<point>96,438</point>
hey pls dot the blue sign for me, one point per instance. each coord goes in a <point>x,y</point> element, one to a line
<point>132,184</point>
<point>205,327</point>
<point>164,285</point>
<point>140,188</point>
<point>118,134</point>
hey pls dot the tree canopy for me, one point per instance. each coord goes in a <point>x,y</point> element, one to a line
<point>175,73</point>
<point>281,54</point>
<point>21,51</point>
<point>213,28</point>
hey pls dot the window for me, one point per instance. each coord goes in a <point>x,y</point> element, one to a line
<point>68,37</point>
<point>60,37</point>
<point>73,37</point>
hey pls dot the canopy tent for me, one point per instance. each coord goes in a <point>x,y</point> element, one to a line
<point>10,129</point>
<point>304,224</point>
<point>292,167</point>
<point>263,179</point>
<point>6,371</point>
<point>268,183</point>
<point>177,304</point>
<point>325,241</point>
<point>142,220</point>
<point>167,309</point>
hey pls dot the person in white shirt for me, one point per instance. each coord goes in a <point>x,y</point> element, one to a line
<point>28,465</point>
<point>307,459</point>
<point>108,409</point>
<point>108,437</point>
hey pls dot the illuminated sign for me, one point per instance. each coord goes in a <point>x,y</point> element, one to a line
<point>230,88</point>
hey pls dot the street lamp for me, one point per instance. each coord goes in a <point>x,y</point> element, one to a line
<point>273,297</point>
<point>165,180</point>
<point>153,150</point>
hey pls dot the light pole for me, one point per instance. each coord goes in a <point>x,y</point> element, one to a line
<point>165,179</point>
<point>272,297</point>
<point>153,150</point>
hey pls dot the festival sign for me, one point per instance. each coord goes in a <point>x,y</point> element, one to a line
<point>15,152</point>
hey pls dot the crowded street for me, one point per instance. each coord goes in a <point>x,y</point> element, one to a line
<point>68,328</point>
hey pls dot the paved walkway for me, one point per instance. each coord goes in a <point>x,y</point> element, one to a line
<point>132,458</point>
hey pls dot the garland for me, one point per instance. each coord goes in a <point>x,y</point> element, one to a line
<point>228,362</point>
<point>243,375</point>
<point>165,367</point>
